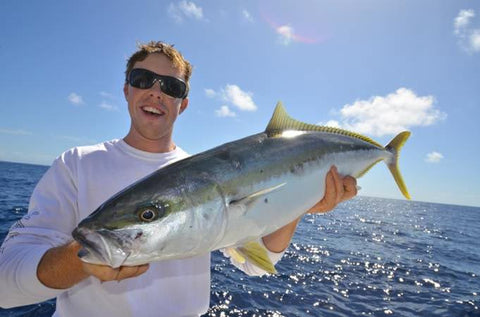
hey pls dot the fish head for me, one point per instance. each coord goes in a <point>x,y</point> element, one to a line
<point>127,231</point>
<point>141,225</point>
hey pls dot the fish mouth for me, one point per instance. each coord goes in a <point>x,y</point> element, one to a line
<point>105,247</point>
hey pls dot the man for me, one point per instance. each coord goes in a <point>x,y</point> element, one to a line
<point>38,259</point>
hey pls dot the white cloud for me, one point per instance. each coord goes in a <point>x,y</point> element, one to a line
<point>434,157</point>
<point>107,95</point>
<point>286,34</point>
<point>14,132</point>
<point>398,111</point>
<point>247,16</point>
<point>462,20</point>
<point>331,123</point>
<point>475,40</point>
<point>106,106</point>
<point>234,96</point>
<point>468,37</point>
<point>75,99</point>
<point>185,9</point>
<point>225,111</point>
<point>210,93</point>
<point>239,98</point>
<point>191,10</point>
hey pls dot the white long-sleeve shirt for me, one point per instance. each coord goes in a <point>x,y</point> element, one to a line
<point>76,184</point>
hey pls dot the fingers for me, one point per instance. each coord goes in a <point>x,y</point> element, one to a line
<point>329,199</point>
<point>130,271</point>
<point>106,273</point>
<point>346,187</point>
<point>337,189</point>
<point>350,187</point>
<point>338,183</point>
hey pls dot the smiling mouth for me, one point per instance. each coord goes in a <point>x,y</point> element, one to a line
<point>153,111</point>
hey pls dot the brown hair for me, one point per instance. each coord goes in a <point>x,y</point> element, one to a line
<point>166,49</point>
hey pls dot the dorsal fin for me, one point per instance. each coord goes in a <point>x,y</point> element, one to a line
<point>281,122</point>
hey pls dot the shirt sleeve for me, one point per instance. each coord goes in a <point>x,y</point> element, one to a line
<point>49,222</point>
<point>250,268</point>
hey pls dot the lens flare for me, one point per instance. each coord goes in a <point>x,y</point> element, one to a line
<point>300,24</point>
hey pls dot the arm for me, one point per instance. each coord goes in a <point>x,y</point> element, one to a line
<point>46,225</point>
<point>336,191</point>
<point>38,258</point>
<point>59,267</point>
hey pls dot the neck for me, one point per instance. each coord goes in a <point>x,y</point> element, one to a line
<point>139,142</point>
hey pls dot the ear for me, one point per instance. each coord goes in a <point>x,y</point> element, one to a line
<point>125,91</point>
<point>184,105</point>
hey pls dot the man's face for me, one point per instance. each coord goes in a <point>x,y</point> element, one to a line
<point>152,112</point>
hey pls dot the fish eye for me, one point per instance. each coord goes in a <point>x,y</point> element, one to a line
<point>148,214</point>
<point>153,211</point>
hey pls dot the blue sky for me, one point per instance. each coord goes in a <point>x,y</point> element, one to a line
<point>376,67</point>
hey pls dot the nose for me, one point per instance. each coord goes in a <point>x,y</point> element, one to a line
<point>156,90</point>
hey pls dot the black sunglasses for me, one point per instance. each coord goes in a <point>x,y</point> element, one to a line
<point>145,79</point>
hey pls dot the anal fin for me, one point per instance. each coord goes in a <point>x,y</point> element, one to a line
<point>257,255</point>
<point>234,254</point>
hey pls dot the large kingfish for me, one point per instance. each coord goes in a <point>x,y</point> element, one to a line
<point>229,196</point>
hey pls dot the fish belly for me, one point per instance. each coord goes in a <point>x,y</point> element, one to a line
<point>297,192</point>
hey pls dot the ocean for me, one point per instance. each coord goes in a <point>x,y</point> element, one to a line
<point>369,257</point>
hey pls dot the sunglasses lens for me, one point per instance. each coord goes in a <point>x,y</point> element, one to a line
<point>145,79</point>
<point>140,78</point>
<point>173,87</point>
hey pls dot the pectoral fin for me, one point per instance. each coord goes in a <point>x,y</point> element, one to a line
<point>254,196</point>
<point>257,255</point>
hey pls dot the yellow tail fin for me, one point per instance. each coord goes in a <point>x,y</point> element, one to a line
<point>394,147</point>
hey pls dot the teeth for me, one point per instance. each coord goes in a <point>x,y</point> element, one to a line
<point>152,110</point>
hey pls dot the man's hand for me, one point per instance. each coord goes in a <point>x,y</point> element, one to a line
<point>337,189</point>
<point>106,273</point>
<point>61,268</point>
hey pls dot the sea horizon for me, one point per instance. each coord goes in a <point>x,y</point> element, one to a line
<point>359,193</point>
